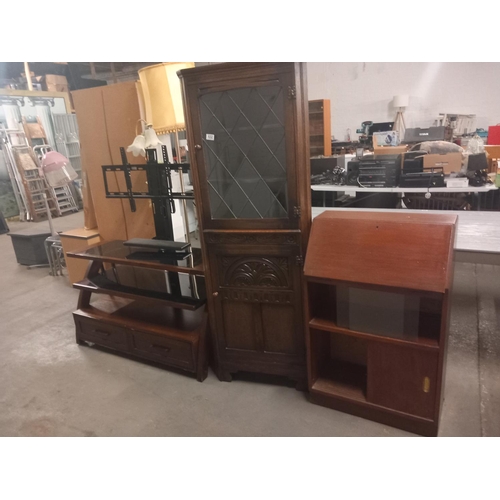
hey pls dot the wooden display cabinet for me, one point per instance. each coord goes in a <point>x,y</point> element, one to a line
<point>248,140</point>
<point>378,291</point>
<point>320,128</point>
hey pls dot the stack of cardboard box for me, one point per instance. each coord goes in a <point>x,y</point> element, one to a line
<point>55,83</point>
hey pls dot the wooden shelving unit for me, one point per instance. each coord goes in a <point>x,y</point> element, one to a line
<point>378,305</point>
<point>320,133</point>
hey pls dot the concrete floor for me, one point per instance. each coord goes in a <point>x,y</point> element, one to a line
<point>50,386</point>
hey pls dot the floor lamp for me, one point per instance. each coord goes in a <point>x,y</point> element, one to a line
<point>163,107</point>
<point>400,102</point>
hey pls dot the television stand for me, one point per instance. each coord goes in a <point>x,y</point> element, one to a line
<point>146,309</point>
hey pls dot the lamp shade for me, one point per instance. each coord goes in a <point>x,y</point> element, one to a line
<point>161,89</point>
<point>138,147</point>
<point>401,101</point>
<point>57,169</point>
<point>151,139</point>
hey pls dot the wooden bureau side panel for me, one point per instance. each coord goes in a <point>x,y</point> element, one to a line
<point>396,379</point>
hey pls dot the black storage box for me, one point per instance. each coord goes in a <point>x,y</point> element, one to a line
<point>29,247</point>
<point>4,228</point>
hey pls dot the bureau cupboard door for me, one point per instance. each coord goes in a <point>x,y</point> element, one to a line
<point>258,308</point>
<point>403,378</point>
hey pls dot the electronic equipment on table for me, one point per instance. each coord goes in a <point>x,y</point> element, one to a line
<point>477,169</point>
<point>334,176</point>
<point>378,173</point>
<point>416,135</point>
<point>327,170</point>
<point>370,171</point>
<point>323,164</point>
<point>368,128</point>
<point>413,173</point>
<point>428,178</point>
<point>412,161</point>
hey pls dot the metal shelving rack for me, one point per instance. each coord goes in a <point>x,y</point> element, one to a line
<point>28,185</point>
<point>67,139</point>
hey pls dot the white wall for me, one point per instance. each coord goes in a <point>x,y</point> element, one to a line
<point>364,91</point>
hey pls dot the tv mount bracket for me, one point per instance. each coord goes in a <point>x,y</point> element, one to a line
<point>159,183</point>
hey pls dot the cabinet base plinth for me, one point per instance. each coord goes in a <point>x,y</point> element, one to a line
<point>381,415</point>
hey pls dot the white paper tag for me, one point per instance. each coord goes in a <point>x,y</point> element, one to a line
<point>210,137</point>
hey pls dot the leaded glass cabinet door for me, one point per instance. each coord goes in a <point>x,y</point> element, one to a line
<point>248,138</point>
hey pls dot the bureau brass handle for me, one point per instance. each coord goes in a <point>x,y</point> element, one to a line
<point>197,146</point>
<point>427,384</point>
<point>106,334</point>
<point>160,347</point>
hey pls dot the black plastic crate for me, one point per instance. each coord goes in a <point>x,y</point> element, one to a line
<point>30,248</point>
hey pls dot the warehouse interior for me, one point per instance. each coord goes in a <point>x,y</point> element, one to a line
<point>242,251</point>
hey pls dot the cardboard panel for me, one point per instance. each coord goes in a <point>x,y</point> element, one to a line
<point>121,107</point>
<point>389,150</point>
<point>107,117</point>
<point>450,162</point>
<point>76,240</point>
<point>95,152</point>
<point>89,219</point>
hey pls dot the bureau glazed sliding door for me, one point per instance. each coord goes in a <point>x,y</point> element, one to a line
<point>248,142</point>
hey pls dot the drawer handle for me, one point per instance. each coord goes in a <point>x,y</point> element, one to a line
<point>100,332</point>
<point>160,347</point>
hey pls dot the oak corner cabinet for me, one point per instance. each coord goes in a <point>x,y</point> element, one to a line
<point>248,137</point>
<point>378,292</point>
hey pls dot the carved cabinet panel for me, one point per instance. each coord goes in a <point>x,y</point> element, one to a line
<point>248,140</point>
<point>258,301</point>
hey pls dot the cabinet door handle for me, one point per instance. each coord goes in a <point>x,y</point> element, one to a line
<point>427,384</point>
<point>215,294</point>
<point>160,347</point>
<point>197,146</point>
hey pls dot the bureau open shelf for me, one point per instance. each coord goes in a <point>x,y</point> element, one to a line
<point>378,304</point>
<point>323,306</point>
<point>343,379</point>
<point>339,364</point>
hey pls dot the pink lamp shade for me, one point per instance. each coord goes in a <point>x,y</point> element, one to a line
<point>57,169</point>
